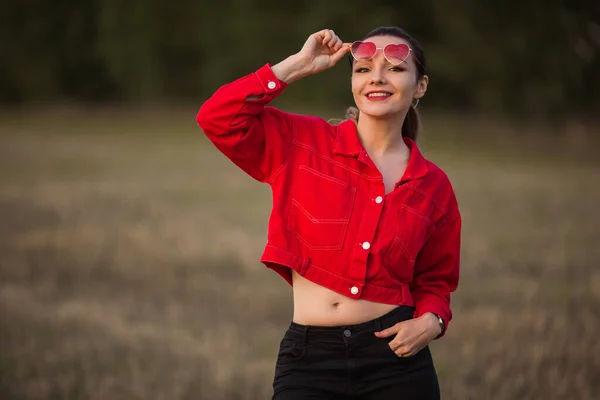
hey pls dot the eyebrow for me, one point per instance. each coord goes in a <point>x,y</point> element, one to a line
<point>370,61</point>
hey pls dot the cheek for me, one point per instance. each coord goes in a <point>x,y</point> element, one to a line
<point>358,83</point>
<point>407,82</point>
<point>406,87</point>
<point>355,90</point>
<point>354,84</point>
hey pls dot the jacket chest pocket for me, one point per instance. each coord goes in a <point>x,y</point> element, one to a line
<point>412,231</point>
<point>320,209</point>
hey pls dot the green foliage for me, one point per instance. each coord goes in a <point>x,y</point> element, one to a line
<point>501,57</point>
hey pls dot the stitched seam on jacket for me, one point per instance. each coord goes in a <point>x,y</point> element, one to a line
<point>427,195</point>
<point>318,154</point>
<point>276,173</point>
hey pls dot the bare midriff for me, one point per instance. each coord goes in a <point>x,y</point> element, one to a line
<point>316,305</point>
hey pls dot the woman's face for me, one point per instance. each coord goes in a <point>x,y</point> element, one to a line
<point>382,90</point>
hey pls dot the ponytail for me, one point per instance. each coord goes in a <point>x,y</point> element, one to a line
<point>412,124</point>
<point>410,127</point>
<point>352,114</point>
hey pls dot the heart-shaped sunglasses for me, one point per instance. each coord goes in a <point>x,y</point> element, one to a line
<point>396,54</point>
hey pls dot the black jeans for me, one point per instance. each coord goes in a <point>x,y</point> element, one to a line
<point>350,362</point>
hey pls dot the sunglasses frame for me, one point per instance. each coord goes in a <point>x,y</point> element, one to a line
<point>382,49</point>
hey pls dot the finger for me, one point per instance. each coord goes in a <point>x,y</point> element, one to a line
<point>326,37</point>
<point>334,39</point>
<point>337,45</point>
<point>322,33</point>
<point>401,354</point>
<point>337,56</point>
<point>393,329</point>
<point>398,350</point>
<point>409,351</point>
<point>332,33</point>
<point>398,344</point>
<point>320,36</point>
<point>403,351</point>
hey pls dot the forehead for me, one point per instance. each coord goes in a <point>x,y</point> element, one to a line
<point>382,41</point>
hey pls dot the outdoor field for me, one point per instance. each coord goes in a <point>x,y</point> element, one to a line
<point>129,260</point>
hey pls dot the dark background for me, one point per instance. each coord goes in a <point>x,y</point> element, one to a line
<point>518,57</point>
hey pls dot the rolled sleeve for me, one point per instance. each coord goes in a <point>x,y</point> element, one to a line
<point>237,120</point>
<point>437,270</point>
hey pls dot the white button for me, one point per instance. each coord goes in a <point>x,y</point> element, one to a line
<point>366,245</point>
<point>354,290</point>
<point>378,199</point>
<point>271,85</point>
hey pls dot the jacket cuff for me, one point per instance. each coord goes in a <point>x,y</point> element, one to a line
<point>435,308</point>
<point>271,85</point>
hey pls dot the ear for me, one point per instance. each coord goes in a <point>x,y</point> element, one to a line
<point>422,87</point>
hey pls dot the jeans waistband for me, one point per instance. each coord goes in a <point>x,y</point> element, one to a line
<point>310,332</point>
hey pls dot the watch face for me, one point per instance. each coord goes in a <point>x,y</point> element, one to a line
<point>441,321</point>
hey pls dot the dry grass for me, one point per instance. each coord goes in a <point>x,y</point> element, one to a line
<point>129,267</point>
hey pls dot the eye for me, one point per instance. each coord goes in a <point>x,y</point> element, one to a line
<point>398,69</point>
<point>361,69</point>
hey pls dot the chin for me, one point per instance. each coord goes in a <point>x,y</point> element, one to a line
<point>378,114</point>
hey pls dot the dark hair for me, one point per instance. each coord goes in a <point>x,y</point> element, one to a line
<point>411,125</point>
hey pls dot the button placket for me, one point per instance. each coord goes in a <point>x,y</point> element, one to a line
<point>368,228</point>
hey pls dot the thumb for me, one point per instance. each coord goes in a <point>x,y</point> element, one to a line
<point>337,56</point>
<point>392,330</point>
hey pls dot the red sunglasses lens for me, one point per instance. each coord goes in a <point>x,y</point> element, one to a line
<point>362,50</point>
<point>396,53</point>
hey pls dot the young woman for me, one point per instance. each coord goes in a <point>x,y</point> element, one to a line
<point>363,227</point>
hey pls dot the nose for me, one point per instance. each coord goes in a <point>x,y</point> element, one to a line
<point>377,76</point>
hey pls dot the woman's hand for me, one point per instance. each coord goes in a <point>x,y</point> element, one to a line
<point>412,335</point>
<point>321,51</point>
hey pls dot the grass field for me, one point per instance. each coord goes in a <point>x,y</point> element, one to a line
<point>129,264</point>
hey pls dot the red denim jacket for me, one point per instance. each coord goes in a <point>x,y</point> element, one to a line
<point>331,220</point>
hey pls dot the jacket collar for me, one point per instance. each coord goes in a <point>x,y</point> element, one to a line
<point>348,143</point>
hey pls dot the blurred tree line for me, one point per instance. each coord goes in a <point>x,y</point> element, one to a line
<point>514,57</point>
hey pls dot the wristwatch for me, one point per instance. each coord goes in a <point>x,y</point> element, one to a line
<point>441,322</point>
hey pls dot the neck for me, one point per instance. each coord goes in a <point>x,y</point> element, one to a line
<point>381,135</point>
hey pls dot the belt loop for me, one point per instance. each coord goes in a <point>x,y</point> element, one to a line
<point>305,334</point>
<point>378,324</point>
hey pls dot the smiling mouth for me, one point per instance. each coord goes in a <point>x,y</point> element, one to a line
<point>378,95</point>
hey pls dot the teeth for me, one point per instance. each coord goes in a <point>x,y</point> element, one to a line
<point>378,95</point>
